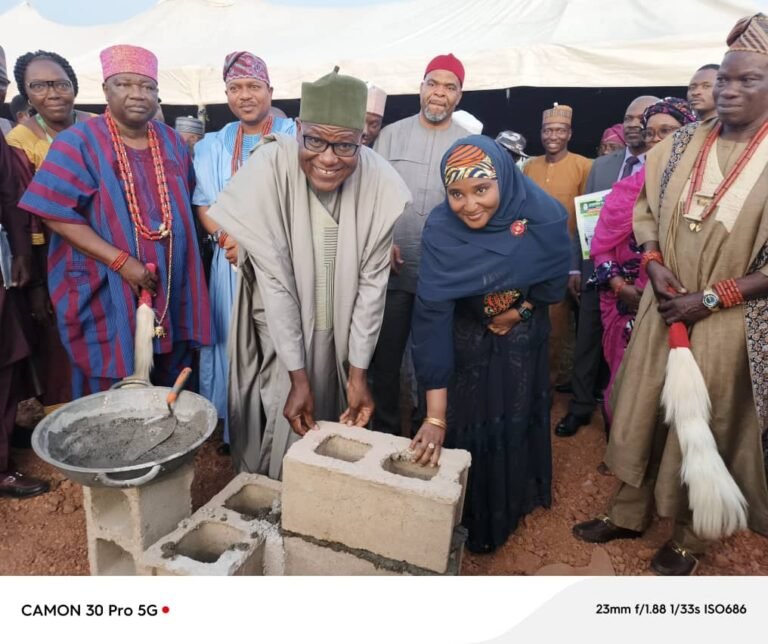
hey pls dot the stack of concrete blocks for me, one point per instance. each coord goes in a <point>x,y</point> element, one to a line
<point>352,505</point>
<point>122,523</point>
<point>236,533</point>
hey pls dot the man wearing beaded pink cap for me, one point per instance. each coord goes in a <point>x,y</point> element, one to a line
<point>702,221</point>
<point>115,192</point>
<point>414,146</point>
<point>217,158</point>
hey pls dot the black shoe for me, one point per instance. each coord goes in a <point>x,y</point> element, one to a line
<point>224,450</point>
<point>570,424</point>
<point>20,486</point>
<point>599,397</point>
<point>672,559</point>
<point>602,530</point>
<point>564,388</point>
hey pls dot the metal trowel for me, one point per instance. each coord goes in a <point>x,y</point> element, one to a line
<point>160,428</point>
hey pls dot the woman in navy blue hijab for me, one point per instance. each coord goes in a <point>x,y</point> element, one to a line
<point>494,255</point>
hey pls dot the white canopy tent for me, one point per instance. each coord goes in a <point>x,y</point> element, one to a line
<point>502,43</point>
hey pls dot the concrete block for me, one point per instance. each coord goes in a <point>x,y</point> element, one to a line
<point>122,523</point>
<point>251,495</point>
<point>206,545</point>
<point>307,556</point>
<point>252,503</point>
<point>108,558</point>
<point>346,485</point>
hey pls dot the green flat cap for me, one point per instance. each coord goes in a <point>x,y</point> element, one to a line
<point>334,99</point>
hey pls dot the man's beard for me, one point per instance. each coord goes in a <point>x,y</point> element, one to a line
<point>435,117</point>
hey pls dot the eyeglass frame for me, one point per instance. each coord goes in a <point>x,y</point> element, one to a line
<point>304,138</point>
<point>644,133</point>
<point>51,84</point>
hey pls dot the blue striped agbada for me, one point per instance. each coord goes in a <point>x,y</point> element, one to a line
<point>95,308</point>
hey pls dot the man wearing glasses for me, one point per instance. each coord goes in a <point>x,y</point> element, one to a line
<point>313,217</point>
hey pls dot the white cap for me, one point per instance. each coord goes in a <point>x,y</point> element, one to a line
<point>468,122</point>
<point>377,100</point>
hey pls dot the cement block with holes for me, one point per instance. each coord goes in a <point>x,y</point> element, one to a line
<point>250,495</point>
<point>207,545</point>
<point>307,556</point>
<point>122,523</point>
<point>346,485</point>
<point>252,503</point>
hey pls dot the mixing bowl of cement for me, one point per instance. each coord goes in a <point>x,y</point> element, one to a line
<point>88,439</point>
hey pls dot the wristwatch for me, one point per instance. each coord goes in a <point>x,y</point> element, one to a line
<point>710,299</point>
<point>526,313</point>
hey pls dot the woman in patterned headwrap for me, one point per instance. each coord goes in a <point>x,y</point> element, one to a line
<point>494,255</point>
<point>612,140</point>
<point>614,250</point>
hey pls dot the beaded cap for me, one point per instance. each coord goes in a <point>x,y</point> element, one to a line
<point>128,59</point>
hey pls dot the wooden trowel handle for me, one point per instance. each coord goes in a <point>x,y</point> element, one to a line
<point>178,386</point>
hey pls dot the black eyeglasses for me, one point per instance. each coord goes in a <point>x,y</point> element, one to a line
<point>40,87</point>
<point>341,149</point>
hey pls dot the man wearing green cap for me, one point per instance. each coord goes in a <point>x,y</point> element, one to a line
<point>313,217</point>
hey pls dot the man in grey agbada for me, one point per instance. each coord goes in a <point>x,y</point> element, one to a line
<point>415,147</point>
<point>313,218</point>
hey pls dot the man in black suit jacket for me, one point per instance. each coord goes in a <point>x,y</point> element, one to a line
<point>588,353</point>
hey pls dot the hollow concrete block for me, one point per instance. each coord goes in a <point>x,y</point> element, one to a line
<point>122,523</point>
<point>347,485</point>
<point>251,502</point>
<point>207,545</point>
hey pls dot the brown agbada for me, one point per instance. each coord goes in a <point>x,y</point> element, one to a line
<point>640,442</point>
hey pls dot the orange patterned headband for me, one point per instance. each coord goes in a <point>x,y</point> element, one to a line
<point>468,162</point>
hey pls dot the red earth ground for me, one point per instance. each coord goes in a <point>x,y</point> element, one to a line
<point>45,535</point>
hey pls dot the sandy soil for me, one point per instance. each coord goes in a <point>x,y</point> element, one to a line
<point>45,535</point>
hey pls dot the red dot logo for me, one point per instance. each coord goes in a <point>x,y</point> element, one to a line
<point>166,609</point>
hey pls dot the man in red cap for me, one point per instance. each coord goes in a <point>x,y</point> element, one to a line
<point>414,146</point>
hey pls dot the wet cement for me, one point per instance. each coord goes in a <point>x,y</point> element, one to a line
<point>104,442</point>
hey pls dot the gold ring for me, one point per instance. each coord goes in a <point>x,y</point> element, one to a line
<point>431,446</point>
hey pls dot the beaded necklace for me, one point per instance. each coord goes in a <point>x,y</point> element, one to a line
<point>727,182</point>
<point>237,153</point>
<point>129,187</point>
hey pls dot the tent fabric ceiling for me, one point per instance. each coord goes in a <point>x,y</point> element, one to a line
<point>502,43</point>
